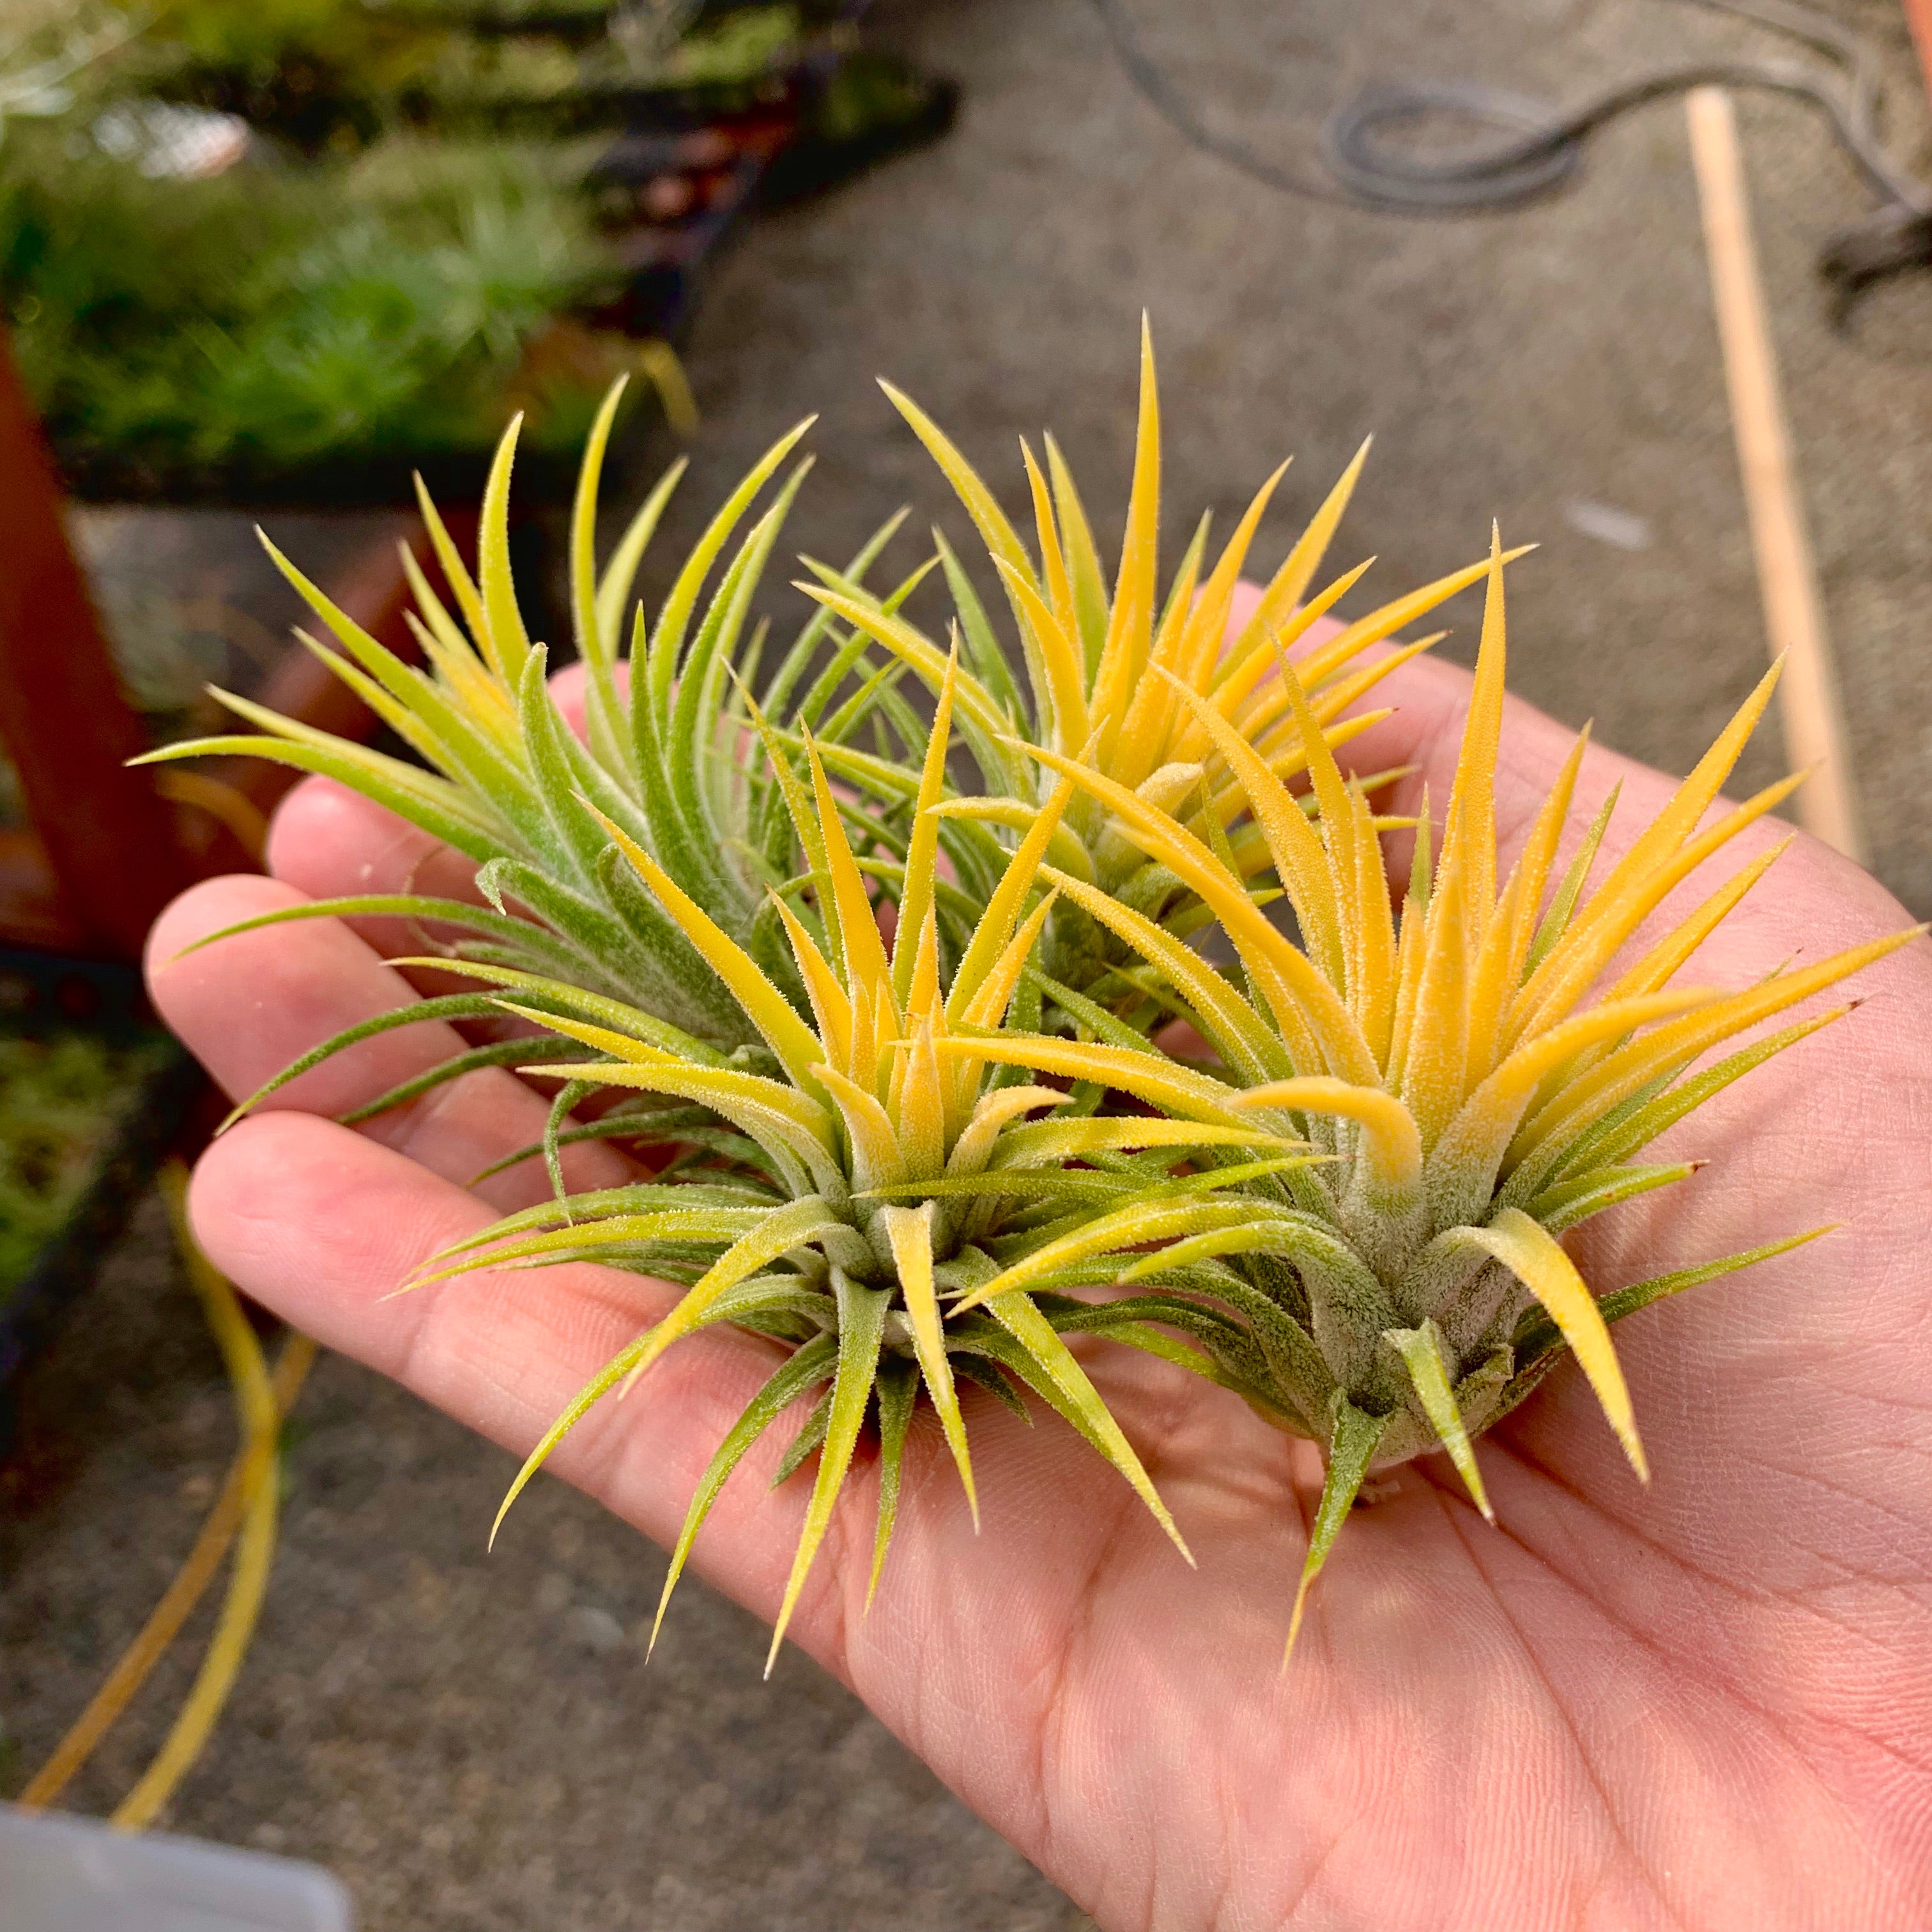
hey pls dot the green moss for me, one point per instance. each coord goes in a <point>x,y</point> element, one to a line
<point>60,1099</point>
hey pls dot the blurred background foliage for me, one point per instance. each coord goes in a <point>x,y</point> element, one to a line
<point>264,318</point>
<point>252,250</point>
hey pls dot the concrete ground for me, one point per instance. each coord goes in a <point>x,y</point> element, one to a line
<point>477,1744</point>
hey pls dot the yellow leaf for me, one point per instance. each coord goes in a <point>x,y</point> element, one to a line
<point>916,899</point>
<point>909,1230</point>
<point>865,952</point>
<point>1130,624</point>
<point>1388,1129</point>
<point>1533,1256</point>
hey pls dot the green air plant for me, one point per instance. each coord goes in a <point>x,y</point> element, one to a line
<point>708,926</point>
<point>838,1202</point>
<point>507,778</point>
<point>1111,680</point>
<point>1479,1100</point>
<point>661,757</point>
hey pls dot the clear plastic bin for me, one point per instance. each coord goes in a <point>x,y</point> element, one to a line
<point>61,1874</point>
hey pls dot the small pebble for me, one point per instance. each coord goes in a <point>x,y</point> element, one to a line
<point>595,1630</point>
<point>1621,529</point>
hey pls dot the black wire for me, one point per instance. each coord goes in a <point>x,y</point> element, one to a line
<point>1367,171</point>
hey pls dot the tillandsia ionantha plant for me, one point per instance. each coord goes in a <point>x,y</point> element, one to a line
<point>841,1204</point>
<point>506,779</point>
<point>1479,1090</point>
<point>1107,679</point>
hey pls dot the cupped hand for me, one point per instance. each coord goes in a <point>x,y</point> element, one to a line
<point>1705,1704</point>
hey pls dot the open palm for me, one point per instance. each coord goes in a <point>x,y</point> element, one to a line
<point>1705,1704</point>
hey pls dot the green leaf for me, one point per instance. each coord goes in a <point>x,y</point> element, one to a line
<point>1065,1385</point>
<point>1556,921</point>
<point>982,648</point>
<point>861,1321</point>
<point>1128,1227</point>
<point>579,1404</point>
<point>594,646</point>
<point>1655,1112</point>
<point>498,1053</point>
<point>432,804</point>
<point>654,669</point>
<point>543,946</point>
<point>810,1364</point>
<point>506,642</point>
<point>802,1222</point>
<point>639,1197</point>
<point>1572,1201</point>
<point>616,1016</point>
<point>700,693</point>
<point>569,1097</point>
<point>720,1226</point>
<point>410,703</point>
<point>988,1375</point>
<point>1300,1379</point>
<point>1421,1351</point>
<point>1083,559</point>
<point>620,568</point>
<point>446,1007</point>
<point>898,1392</point>
<point>1537,1335</point>
<point>1353,1436</point>
<point>806,1443</point>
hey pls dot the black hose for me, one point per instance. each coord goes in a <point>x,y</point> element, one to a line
<point>1545,145</point>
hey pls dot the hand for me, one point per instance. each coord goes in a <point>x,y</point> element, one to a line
<point>1706,1704</point>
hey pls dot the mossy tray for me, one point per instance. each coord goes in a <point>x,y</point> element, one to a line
<point>77,1149</point>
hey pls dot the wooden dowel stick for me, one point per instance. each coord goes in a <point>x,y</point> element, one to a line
<point>1794,614</point>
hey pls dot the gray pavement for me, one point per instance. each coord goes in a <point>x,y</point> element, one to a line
<point>476,1744</point>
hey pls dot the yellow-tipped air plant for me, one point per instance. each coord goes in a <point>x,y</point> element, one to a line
<point>1110,680</point>
<point>845,1200</point>
<point>1483,1093</point>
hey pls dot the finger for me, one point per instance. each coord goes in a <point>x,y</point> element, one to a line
<point>327,841</point>
<point>248,1006</point>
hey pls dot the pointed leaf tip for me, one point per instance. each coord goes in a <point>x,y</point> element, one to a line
<point>1351,1447</point>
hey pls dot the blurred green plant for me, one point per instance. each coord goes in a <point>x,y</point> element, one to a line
<point>334,74</point>
<point>59,1100</point>
<point>381,48</point>
<point>268,319</point>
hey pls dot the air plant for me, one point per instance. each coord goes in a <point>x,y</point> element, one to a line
<point>1352,1220</point>
<point>839,1202</point>
<point>506,776</point>
<point>1478,1100</point>
<point>1109,679</point>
